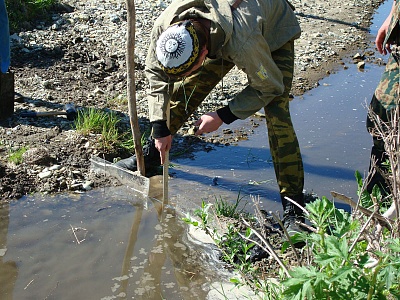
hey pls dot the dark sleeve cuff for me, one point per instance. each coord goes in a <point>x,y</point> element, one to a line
<point>226,115</point>
<point>160,129</point>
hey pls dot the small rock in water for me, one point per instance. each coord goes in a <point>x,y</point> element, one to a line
<point>227,131</point>
<point>361,65</point>
<point>215,180</point>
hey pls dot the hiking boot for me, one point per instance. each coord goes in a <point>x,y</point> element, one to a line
<point>292,216</point>
<point>291,219</point>
<point>151,158</point>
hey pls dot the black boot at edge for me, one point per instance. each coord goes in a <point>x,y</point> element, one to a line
<point>151,160</point>
<point>293,214</point>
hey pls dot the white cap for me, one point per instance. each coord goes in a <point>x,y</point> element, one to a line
<point>178,47</point>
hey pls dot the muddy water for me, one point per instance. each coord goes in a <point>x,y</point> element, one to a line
<point>111,243</point>
<point>99,245</point>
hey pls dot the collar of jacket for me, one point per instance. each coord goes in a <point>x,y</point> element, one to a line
<point>221,11</point>
<point>217,37</point>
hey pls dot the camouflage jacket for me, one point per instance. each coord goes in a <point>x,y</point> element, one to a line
<point>245,37</point>
<point>387,91</point>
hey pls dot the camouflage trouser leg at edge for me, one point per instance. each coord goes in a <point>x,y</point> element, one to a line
<point>283,141</point>
<point>187,96</point>
<point>378,154</point>
<point>385,99</point>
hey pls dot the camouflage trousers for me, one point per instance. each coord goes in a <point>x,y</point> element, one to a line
<point>285,150</point>
<point>385,99</point>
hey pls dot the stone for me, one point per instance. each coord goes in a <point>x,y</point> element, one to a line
<point>37,156</point>
<point>44,174</point>
<point>361,65</point>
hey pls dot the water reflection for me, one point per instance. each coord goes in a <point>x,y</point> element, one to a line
<point>169,255</point>
<point>101,245</point>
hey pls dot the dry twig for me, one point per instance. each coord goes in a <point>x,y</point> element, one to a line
<point>74,230</point>
<point>381,219</point>
<point>389,133</point>
<point>269,249</point>
<point>296,253</point>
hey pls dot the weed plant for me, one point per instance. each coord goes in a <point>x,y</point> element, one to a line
<point>235,250</point>
<point>16,156</point>
<point>344,263</point>
<point>229,210</point>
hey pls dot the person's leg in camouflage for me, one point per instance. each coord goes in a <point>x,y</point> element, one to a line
<point>284,145</point>
<point>386,98</point>
<point>378,154</point>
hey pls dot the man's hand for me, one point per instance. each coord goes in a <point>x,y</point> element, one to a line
<point>208,123</point>
<point>380,37</point>
<point>162,145</point>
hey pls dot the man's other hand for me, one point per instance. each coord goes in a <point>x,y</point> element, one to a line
<point>208,123</point>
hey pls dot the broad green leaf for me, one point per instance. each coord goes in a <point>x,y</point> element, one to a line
<point>337,247</point>
<point>343,273</point>
<point>303,272</point>
<point>307,290</point>
<point>291,288</point>
<point>388,275</point>
<point>394,245</point>
<point>320,286</point>
<point>285,246</point>
<point>324,259</point>
<point>343,223</point>
<point>299,237</point>
<point>359,179</point>
<point>234,280</point>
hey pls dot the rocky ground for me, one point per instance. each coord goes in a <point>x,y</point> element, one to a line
<point>79,57</point>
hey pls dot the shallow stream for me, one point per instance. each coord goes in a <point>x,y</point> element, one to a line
<point>113,244</point>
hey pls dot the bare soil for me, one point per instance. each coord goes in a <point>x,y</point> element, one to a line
<point>55,63</point>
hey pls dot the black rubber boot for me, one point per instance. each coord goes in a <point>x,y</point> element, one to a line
<point>292,214</point>
<point>151,158</point>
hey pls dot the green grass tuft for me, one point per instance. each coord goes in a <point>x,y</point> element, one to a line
<point>94,121</point>
<point>16,156</point>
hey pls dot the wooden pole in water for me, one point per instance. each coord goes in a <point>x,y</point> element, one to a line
<point>131,87</point>
<point>166,166</point>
